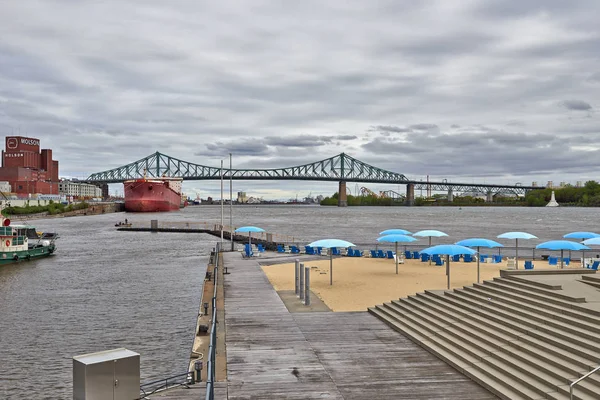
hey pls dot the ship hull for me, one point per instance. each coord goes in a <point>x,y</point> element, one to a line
<point>7,257</point>
<point>151,196</point>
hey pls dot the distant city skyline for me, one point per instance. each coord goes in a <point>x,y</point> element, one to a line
<point>475,91</point>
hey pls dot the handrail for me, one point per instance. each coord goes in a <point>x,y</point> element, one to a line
<point>189,379</point>
<point>210,364</point>
<point>572,385</point>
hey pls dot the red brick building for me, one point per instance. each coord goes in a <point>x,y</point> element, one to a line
<point>26,168</point>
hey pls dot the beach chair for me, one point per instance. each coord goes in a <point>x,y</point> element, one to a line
<point>552,260</point>
<point>566,261</point>
<point>280,248</point>
<point>260,247</point>
<point>468,258</point>
<point>425,257</point>
<point>497,258</point>
<point>595,265</point>
<point>416,255</point>
<point>407,255</point>
<point>318,250</point>
<point>456,257</point>
<point>511,263</point>
<point>400,259</point>
<point>380,254</point>
<point>358,253</point>
<point>373,253</point>
<point>390,254</point>
<point>335,251</point>
<point>294,250</point>
<point>528,264</point>
<point>439,261</point>
<point>247,250</point>
<point>483,258</point>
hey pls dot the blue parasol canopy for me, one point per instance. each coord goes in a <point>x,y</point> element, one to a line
<point>395,232</point>
<point>592,241</point>
<point>517,236</point>
<point>562,245</point>
<point>430,233</point>
<point>581,235</point>
<point>250,229</point>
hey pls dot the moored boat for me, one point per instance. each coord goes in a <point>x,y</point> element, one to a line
<point>23,242</point>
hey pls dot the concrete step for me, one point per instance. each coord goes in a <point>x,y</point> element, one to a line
<point>534,304</point>
<point>493,379</point>
<point>525,325</point>
<point>533,288</point>
<point>593,283</point>
<point>543,285</point>
<point>592,278</point>
<point>535,337</point>
<point>534,295</point>
<point>581,328</point>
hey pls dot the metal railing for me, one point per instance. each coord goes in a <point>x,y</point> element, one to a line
<point>159,385</point>
<point>572,385</point>
<point>212,348</point>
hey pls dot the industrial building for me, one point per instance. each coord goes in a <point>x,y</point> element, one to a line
<point>27,169</point>
<point>79,190</point>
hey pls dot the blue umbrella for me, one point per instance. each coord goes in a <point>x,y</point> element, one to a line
<point>249,229</point>
<point>395,239</point>
<point>517,236</point>
<point>448,250</point>
<point>561,245</point>
<point>430,233</point>
<point>581,235</point>
<point>592,241</point>
<point>395,232</point>
<point>479,242</point>
<point>328,244</point>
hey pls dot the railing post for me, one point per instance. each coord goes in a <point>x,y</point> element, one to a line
<point>307,286</point>
<point>297,277</point>
<point>301,291</point>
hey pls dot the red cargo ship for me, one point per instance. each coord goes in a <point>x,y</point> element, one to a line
<point>152,195</point>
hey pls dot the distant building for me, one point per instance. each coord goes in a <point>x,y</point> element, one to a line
<point>27,169</point>
<point>79,190</point>
<point>241,197</point>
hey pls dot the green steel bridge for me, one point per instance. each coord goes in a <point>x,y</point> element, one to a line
<point>341,168</point>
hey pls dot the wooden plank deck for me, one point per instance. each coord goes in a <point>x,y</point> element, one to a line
<point>272,354</point>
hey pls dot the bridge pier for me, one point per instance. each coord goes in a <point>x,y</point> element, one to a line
<point>450,196</point>
<point>489,197</point>
<point>410,194</point>
<point>342,198</point>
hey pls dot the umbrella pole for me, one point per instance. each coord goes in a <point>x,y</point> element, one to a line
<point>330,268</point>
<point>396,258</point>
<point>448,269</point>
<point>430,246</point>
<point>561,259</point>
<point>582,258</point>
<point>477,264</point>
<point>516,253</point>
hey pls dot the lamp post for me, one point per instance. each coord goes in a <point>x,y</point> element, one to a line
<point>230,203</point>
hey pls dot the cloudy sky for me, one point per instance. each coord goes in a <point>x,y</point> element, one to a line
<point>468,90</point>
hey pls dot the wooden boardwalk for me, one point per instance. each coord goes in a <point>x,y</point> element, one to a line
<point>272,354</point>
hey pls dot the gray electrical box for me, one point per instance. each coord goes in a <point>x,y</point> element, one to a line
<point>107,375</point>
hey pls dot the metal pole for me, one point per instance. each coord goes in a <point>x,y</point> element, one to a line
<point>448,262</point>
<point>330,269</point>
<point>221,203</point>
<point>307,286</point>
<point>478,254</point>
<point>396,258</point>
<point>301,281</point>
<point>297,276</point>
<point>230,202</point>
<point>516,253</point>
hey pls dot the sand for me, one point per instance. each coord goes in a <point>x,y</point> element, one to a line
<point>359,283</point>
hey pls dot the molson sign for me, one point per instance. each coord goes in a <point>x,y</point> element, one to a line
<point>20,143</point>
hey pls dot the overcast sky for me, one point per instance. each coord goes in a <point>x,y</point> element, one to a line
<point>468,90</point>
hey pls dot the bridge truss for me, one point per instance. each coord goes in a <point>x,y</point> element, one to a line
<point>340,168</point>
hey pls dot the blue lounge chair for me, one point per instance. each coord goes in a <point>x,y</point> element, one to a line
<point>380,254</point>
<point>416,255</point>
<point>318,250</point>
<point>425,257</point>
<point>294,250</point>
<point>358,253</point>
<point>567,261</point>
<point>468,258</point>
<point>280,248</point>
<point>456,257</point>
<point>595,265</point>
<point>528,264</point>
<point>260,247</point>
<point>373,253</point>
<point>407,255</point>
<point>552,260</point>
<point>247,250</point>
<point>309,250</point>
<point>497,258</point>
<point>390,254</point>
<point>439,261</point>
<point>483,257</point>
<point>335,251</point>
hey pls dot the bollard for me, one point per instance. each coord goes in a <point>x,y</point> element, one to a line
<point>307,286</point>
<point>296,277</point>
<point>198,369</point>
<point>301,293</point>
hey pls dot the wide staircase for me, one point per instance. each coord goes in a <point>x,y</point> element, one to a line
<point>519,338</point>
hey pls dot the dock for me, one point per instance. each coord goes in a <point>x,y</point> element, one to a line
<point>275,353</point>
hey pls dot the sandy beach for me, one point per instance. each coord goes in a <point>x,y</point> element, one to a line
<point>359,283</point>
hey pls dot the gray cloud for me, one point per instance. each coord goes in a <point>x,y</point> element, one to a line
<point>577,105</point>
<point>467,90</point>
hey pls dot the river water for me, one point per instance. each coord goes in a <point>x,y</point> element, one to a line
<point>105,289</point>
